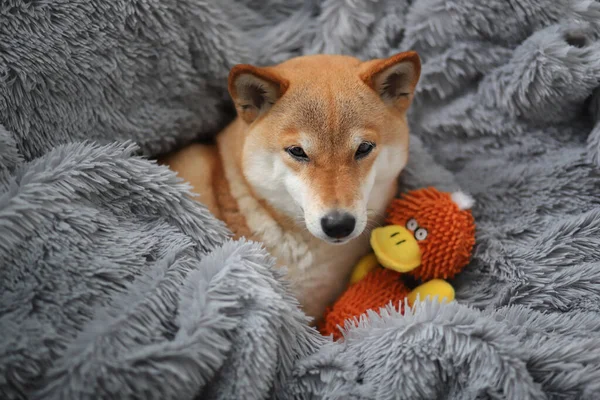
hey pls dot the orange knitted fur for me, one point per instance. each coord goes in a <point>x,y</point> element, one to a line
<point>444,253</point>
<point>376,290</point>
<point>451,238</point>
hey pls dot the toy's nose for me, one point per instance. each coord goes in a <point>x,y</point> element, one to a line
<point>338,224</point>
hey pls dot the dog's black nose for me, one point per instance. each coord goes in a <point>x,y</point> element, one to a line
<point>338,225</point>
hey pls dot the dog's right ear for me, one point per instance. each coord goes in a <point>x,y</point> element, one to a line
<point>394,78</point>
<point>254,90</point>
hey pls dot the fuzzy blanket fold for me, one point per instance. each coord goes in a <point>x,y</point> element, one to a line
<point>114,284</point>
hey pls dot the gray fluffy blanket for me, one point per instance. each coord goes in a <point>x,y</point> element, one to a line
<point>113,284</point>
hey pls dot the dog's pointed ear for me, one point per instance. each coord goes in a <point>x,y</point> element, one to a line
<point>254,90</point>
<point>394,78</point>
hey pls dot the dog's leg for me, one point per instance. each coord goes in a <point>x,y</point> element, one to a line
<point>196,164</point>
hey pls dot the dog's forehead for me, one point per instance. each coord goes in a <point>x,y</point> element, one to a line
<point>330,108</point>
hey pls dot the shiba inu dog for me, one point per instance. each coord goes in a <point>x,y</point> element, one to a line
<point>310,164</point>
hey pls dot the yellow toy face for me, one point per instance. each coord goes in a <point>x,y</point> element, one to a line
<point>396,248</point>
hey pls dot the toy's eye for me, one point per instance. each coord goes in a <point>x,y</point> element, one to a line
<point>421,234</point>
<point>412,224</point>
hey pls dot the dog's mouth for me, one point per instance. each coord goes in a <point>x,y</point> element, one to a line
<point>339,241</point>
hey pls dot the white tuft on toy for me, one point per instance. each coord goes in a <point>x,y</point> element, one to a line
<point>462,200</point>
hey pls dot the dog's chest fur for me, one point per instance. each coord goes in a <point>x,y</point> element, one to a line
<point>317,270</point>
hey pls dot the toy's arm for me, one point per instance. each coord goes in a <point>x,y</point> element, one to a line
<point>364,266</point>
<point>435,287</point>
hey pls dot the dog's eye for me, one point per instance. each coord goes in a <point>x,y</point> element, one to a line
<point>297,152</point>
<point>363,150</point>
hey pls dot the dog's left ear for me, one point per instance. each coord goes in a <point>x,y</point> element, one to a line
<point>254,90</point>
<point>394,78</point>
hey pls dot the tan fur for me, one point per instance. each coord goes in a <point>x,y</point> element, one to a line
<point>197,164</point>
<point>329,105</point>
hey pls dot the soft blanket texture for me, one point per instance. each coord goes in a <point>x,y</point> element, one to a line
<point>113,284</point>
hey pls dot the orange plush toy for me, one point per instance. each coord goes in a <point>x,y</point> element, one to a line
<point>429,238</point>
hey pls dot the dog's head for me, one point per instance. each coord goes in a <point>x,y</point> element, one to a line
<point>324,134</point>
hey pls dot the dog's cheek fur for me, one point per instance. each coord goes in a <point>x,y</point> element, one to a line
<point>296,189</point>
<point>389,163</point>
<point>361,208</point>
<point>380,182</point>
<point>272,179</point>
